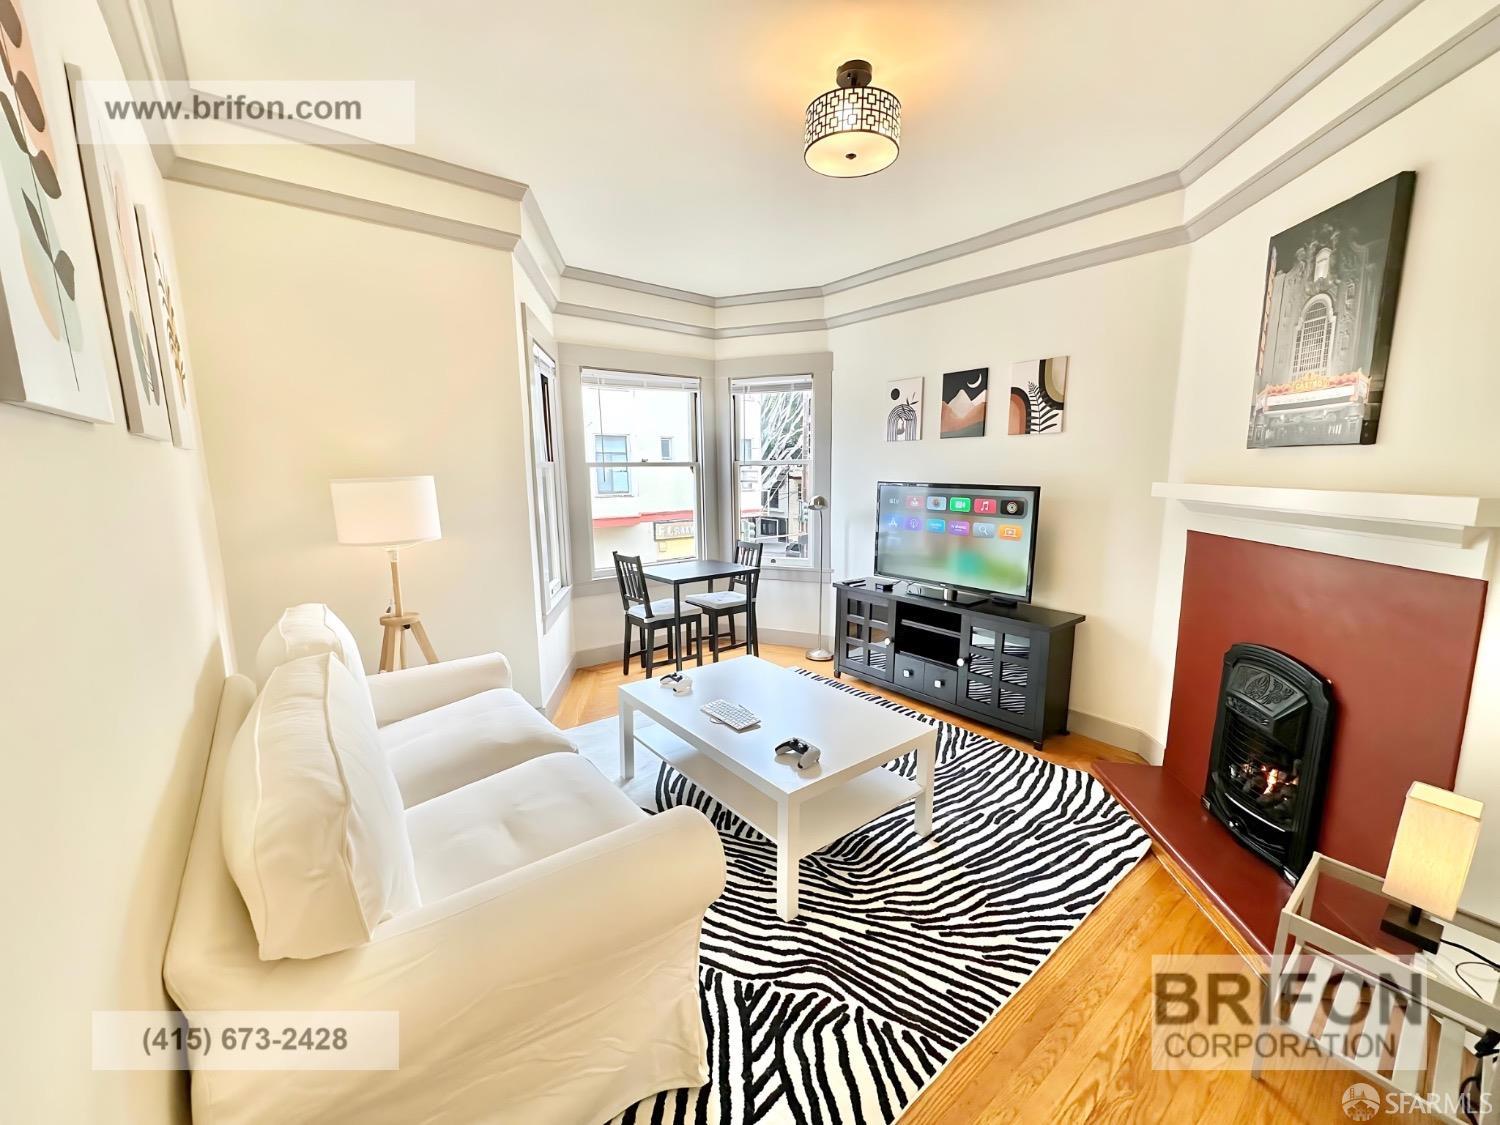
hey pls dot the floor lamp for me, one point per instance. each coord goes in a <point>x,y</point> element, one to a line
<point>819,504</point>
<point>390,512</point>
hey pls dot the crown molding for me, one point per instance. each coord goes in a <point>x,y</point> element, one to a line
<point>1366,28</point>
<point>1461,52</point>
<point>534,274</point>
<point>614,316</point>
<point>532,211</point>
<point>593,277</point>
<point>220,178</point>
<point>1455,56</point>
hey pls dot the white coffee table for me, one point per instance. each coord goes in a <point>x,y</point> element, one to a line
<point>801,810</point>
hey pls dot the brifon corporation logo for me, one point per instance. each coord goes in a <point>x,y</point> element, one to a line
<point>1361,1102</point>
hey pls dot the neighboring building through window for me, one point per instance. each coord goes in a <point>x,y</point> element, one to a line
<point>645,471</point>
<point>773,443</point>
<point>612,449</point>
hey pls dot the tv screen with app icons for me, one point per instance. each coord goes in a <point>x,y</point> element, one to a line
<point>966,536</point>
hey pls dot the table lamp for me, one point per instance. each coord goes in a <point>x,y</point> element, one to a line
<point>390,512</point>
<point>1430,859</point>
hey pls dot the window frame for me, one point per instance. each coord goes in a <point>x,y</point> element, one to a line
<point>697,464</point>
<point>548,470</point>
<point>738,446</point>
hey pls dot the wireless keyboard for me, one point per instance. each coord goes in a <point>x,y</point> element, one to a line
<point>732,715</point>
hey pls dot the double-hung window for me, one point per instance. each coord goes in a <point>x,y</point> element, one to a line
<point>772,472</point>
<point>642,434</point>
<point>546,422</point>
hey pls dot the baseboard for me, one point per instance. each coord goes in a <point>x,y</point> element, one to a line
<point>554,701</point>
<point>1116,734</point>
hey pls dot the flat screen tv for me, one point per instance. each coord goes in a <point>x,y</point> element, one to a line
<point>973,537</point>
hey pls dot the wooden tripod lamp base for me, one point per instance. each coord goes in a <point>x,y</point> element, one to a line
<point>397,622</point>
<point>392,650</point>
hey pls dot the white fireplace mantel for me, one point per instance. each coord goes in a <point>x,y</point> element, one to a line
<point>1451,534</point>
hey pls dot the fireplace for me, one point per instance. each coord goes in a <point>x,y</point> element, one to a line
<point>1270,754</point>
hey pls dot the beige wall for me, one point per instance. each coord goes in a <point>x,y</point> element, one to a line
<point>1442,401</point>
<point>332,348</point>
<point>1119,324</point>
<point>109,682</point>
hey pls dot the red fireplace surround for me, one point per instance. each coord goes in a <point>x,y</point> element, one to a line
<point>1397,644</point>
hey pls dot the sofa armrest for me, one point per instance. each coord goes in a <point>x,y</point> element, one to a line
<point>410,691</point>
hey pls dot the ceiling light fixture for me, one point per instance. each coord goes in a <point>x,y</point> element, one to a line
<point>854,130</point>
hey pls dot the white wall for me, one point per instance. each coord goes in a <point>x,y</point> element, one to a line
<point>109,683</point>
<point>1442,399</point>
<point>1120,326</point>
<point>331,347</point>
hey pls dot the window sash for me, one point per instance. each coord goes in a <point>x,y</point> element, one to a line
<point>613,467</point>
<point>551,501</point>
<point>804,460</point>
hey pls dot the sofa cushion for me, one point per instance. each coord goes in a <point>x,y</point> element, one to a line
<point>443,749</point>
<point>313,830</point>
<point>534,810</point>
<point>310,629</point>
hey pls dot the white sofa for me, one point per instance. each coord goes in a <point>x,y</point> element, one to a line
<point>442,725</point>
<point>546,971</point>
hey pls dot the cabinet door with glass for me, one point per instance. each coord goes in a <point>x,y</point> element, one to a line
<point>865,642</point>
<point>994,668</point>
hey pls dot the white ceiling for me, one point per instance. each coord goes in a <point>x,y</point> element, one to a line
<point>663,137</point>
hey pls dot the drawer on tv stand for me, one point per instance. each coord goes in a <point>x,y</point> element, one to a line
<point>937,681</point>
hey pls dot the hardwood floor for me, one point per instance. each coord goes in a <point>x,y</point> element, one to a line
<point>1074,1044</point>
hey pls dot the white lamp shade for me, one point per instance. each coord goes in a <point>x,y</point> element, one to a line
<point>1434,846</point>
<point>385,511</point>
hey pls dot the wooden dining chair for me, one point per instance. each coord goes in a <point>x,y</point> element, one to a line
<point>739,598</point>
<point>648,618</point>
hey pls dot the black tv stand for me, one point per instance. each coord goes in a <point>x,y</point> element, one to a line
<point>1006,665</point>
<point>948,595</point>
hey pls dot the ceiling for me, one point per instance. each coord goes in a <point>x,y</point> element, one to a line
<point>663,137</point>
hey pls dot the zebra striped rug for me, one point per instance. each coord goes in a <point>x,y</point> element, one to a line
<point>904,947</point>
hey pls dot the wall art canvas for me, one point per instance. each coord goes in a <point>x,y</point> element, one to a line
<point>127,294</point>
<point>1326,320</point>
<point>965,402</point>
<point>49,357</point>
<point>903,417</point>
<point>166,317</point>
<point>1037,389</point>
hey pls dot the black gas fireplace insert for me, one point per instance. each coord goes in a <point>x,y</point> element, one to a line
<point>1270,755</point>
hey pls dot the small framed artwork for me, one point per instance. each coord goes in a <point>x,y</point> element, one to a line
<point>127,295</point>
<point>1327,314</point>
<point>965,402</point>
<point>50,346</point>
<point>903,418</point>
<point>1037,395</point>
<point>166,316</point>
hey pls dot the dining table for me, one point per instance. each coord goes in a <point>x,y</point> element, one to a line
<point>680,574</point>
